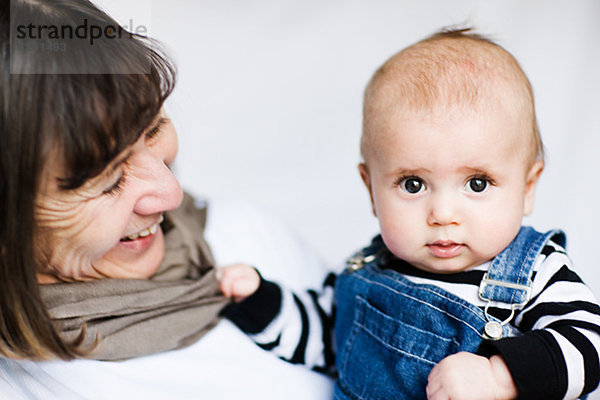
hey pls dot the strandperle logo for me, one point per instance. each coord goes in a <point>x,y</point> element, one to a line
<point>84,31</point>
<point>42,43</point>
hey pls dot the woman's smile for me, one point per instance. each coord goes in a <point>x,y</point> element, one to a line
<point>144,232</point>
<point>141,241</point>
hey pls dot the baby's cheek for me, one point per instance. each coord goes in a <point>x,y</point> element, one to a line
<point>395,241</point>
<point>493,235</point>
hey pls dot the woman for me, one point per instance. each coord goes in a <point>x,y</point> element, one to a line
<point>98,258</point>
<point>88,267</point>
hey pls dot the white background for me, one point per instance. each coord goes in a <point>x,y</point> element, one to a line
<point>268,103</point>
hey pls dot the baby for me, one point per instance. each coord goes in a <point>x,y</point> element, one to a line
<point>455,299</point>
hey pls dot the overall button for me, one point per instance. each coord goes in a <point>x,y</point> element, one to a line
<point>493,330</point>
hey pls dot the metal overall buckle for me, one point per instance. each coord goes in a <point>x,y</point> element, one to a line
<point>358,261</point>
<point>493,329</point>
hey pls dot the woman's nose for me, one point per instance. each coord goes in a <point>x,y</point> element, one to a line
<point>160,189</point>
<point>443,210</point>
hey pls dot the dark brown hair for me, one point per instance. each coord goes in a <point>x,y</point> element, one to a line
<point>85,119</point>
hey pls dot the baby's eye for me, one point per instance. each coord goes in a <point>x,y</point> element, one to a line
<point>477,184</point>
<point>412,185</point>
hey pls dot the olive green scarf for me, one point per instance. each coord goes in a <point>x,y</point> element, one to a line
<point>127,318</point>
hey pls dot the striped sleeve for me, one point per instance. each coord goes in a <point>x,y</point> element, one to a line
<point>297,327</point>
<point>556,354</point>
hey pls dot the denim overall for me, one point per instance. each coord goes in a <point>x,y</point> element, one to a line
<point>390,332</point>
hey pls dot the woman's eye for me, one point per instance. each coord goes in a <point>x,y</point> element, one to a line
<point>115,188</point>
<point>477,185</point>
<point>412,185</point>
<point>153,132</point>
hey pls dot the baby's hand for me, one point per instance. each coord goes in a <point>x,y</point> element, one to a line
<point>238,281</point>
<point>468,376</point>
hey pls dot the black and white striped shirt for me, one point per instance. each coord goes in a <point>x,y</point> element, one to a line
<point>556,335</point>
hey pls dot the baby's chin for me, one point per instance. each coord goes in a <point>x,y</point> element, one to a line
<point>446,266</point>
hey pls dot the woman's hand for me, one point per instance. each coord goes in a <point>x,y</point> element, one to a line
<point>238,281</point>
<point>468,376</point>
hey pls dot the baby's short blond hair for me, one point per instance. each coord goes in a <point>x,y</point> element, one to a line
<point>449,71</point>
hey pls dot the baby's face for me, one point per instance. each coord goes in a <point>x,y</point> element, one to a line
<point>450,193</point>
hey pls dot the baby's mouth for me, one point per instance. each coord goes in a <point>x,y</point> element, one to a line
<point>151,230</point>
<point>445,248</point>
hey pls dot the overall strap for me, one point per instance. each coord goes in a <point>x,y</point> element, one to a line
<point>508,280</point>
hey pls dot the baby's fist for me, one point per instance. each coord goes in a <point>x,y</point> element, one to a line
<point>238,281</point>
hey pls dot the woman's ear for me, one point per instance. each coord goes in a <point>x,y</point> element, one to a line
<point>533,176</point>
<point>364,174</point>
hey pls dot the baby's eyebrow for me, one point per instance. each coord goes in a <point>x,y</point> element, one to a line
<point>478,169</point>
<point>410,171</point>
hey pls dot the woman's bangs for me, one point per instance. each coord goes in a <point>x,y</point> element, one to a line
<point>109,116</point>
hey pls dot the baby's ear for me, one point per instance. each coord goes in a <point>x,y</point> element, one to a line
<point>533,176</point>
<point>364,174</point>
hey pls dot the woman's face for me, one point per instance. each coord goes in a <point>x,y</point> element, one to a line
<point>110,226</point>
